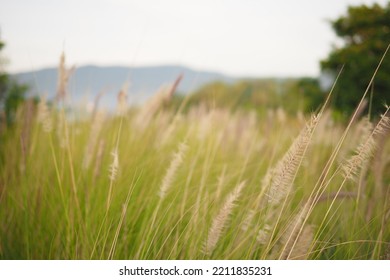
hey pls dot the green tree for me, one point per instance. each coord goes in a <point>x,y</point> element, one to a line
<point>365,31</point>
<point>304,94</point>
<point>3,80</point>
<point>11,95</point>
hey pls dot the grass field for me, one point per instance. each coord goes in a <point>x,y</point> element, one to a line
<point>210,183</point>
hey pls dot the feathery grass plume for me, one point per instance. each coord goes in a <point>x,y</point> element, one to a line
<point>63,78</point>
<point>384,123</point>
<point>221,219</point>
<point>359,135</point>
<point>326,131</point>
<point>114,165</point>
<point>364,129</point>
<point>264,234</point>
<point>177,159</point>
<point>380,161</point>
<point>44,116</point>
<point>113,171</point>
<point>97,124</point>
<point>366,149</point>
<point>175,85</point>
<point>247,223</point>
<point>265,229</point>
<point>279,180</point>
<point>122,101</point>
<point>303,245</point>
<point>286,169</point>
<point>151,107</point>
<point>292,233</point>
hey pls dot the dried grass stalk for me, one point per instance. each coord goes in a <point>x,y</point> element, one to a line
<point>44,116</point>
<point>286,169</point>
<point>177,159</point>
<point>365,150</point>
<point>221,219</point>
<point>301,250</point>
<point>96,127</point>
<point>122,101</point>
<point>292,232</point>
<point>63,78</point>
<point>114,165</point>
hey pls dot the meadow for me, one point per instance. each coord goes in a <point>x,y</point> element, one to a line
<point>152,182</point>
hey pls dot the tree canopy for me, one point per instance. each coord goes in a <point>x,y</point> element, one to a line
<point>11,95</point>
<point>365,32</point>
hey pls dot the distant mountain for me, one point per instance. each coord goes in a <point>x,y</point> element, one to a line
<point>88,81</point>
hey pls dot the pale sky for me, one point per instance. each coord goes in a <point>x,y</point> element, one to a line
<point>235,37</point>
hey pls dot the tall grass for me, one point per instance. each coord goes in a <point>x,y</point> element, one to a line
<point>153,183</point>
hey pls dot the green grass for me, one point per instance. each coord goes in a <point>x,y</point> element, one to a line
<point>53,206</point>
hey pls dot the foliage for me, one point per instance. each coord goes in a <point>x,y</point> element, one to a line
<point>365,31</point>
<point>304,94</point>
<point>4,80</point>
<point>244,94</point>
<point>11,95</point>
<point>261,95</point>
<point>235,185</point>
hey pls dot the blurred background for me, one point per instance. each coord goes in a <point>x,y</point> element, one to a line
<point>255,53</point>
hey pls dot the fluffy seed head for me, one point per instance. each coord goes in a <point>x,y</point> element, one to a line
<point>114,165</point>
<point>263,234</point>
<point>292,231</point>
<point>63,78</point>
<point>365,150</point>
<point>302,247</point>
<point>221,219</point>
<point>284,173</point>
<point>44,115</point>
<point>177,159</point>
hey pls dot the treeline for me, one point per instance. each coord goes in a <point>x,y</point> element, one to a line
<point>292,95</point>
